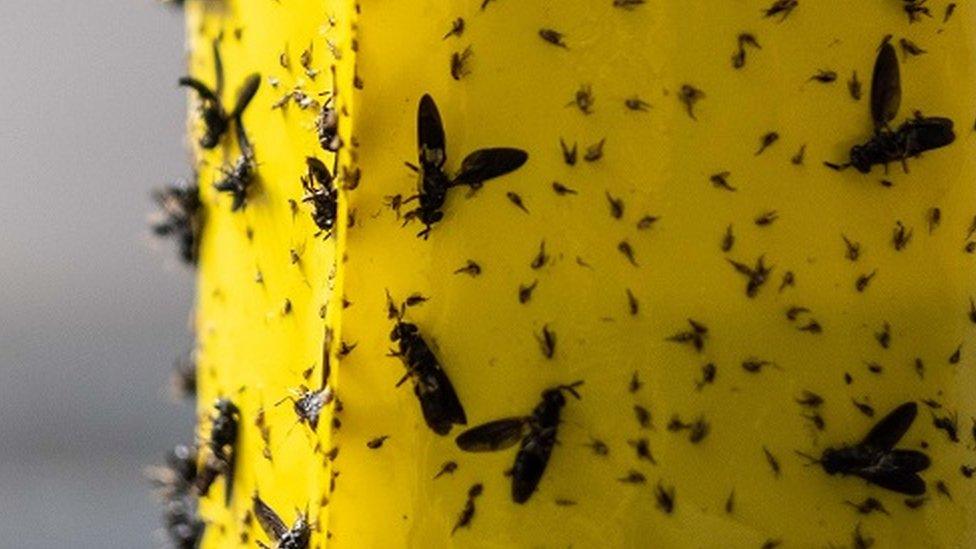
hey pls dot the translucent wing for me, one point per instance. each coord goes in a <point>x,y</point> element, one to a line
<point>492,436</point>
<point>887,432</point>
<point>269,520</point>
<point>430,133</point>
<point>885,86</point>
<point>485,164</point>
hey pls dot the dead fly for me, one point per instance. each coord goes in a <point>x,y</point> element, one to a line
<point>934,217</point>
<point>447,469</point>
<point>183,525</point>
<point>554,37</point>
<point>697,430</point>
<point>625,248</point>
<point>824,76</point>
<point>327,125</point>
<point>694,337</point>
<point>783,8</point>
<point>541,258</point>
<point>910,48</point>
<point>728,240</point>
<point>547,342</point>
<point>862,281</point>
<point>636,104</point>
<point>739,57</point>
<point>438,400</point>
<point>643,416</point>
<point>863,407</point>
<point>646,222</point>
<point>627,4</point>
<point>569,154</point>
<point>583,99</point>
<point>635,383</point>
<point>853,248</point>
<point>470,268</point>
<point>537,433</point>
<point>766,141</point>
<point>464,519</point>
<point>633,306</point>
<point>239,176</point>
<point>757,275</point>
<point>222,447</point>
<point>216,119</point>
<point>720,180</point>
<point>457,28</point>
<point>689,95</point>
<point>476,168</point>
<point>755,365</point>
<point>911,139</point>
<point>772,461</point>
<point>377,442</point>
<point>296,537</point>
<point>175,479</point>
<point>868,506</point>
<point>915,10</point>
<point>884,336</point>
<point>459,63</point>
<point>525,291</point>
<point>179,217</point>
<point>595,151</point>
<point>616,205</point>
<point>949,424</point>
<point>766,218</point>
<point>633,477</point>
<point>708,372</point>
<point>308,404</point>
<point>797,159</point>
<point>322,194</point>
<point>901,236</point>
<point>875,460</point>
<point>949,10</point>
<point>665,498</point>
<point>599,447</point>
<point>516,200</point>
<point>854,87</point>
<point>183,380</point>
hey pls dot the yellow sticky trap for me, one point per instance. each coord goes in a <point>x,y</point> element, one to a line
<point>634,240</point>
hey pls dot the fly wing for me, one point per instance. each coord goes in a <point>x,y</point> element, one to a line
<point>887,432</point>
<point>439,402</point>
<point>885,86</point>
<point>199,87</point>
<point>246,94</point>
<point>492,436</point>
<point>270,522</point>
<point>912,461</point>
<point>902,482</point>
<point>485,164</point>
<point>430,133</point>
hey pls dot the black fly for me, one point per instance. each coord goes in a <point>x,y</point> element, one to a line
<point>476,168</point>
<point>912,138</point>
<point>179,217</point>
<point>438,400</point>
<point>875,458</point>
<point>296,537</point>
<point>215,117</point>
<point>223,448</point>
<point>757,275</point>
<point>322,194</point>
<point>537,433</point>
<point>239,176</point>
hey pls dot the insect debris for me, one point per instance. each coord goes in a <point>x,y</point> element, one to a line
<point>321,192</point>
<point>222,449</point>
<point>179,217</point>
<point>537,433</point>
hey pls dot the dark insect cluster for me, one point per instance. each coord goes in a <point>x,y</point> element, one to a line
<point>875,458</point>
<point>537,433</point>
<point>438,401</point>
<point>476,168</point>
<point>913,137</point>
<point>296,537</point>
<point>237,177</point>
<point>222,449</point>
<point>179,217</point>
<point>173,483</point>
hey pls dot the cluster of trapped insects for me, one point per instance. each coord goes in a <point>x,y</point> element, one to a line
<point>192,469</point>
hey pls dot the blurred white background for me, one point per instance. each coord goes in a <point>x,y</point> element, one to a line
<point>92,312</point>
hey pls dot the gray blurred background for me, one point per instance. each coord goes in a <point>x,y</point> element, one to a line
<point>92,312</point>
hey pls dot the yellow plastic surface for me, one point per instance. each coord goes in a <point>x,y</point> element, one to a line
<point>519,92</point>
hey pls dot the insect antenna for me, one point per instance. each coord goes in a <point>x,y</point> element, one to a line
<point>810,459</point>
<point>571,388</point>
